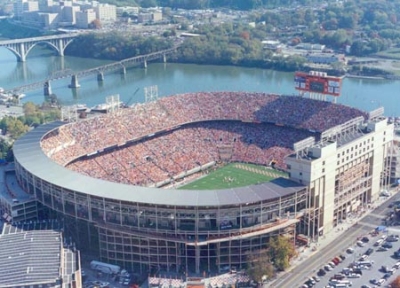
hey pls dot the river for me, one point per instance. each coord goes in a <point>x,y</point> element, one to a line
<point>366,94</point>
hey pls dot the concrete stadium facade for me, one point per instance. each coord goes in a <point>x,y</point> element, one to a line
<point>147,228</point>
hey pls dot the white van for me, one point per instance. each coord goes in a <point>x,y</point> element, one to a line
<point>367,263</point>
<point>378,242</point>
<point>340,283</point>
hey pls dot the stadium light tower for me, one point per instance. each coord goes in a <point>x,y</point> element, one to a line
<point>151,93</point>
<point>113,103</point>
<point>69,113</point>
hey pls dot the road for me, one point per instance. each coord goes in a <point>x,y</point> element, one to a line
<point>298,275</point>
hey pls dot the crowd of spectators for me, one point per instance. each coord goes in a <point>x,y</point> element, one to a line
<point>154,141</point>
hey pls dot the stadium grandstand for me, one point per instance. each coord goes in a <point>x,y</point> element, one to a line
<point>105,175</point>
<point>34,257</point>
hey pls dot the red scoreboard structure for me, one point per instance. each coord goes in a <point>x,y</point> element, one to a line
<point>318,83</point>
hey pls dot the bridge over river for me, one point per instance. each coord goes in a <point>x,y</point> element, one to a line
<point>99,71</point>
<point>21,47</point>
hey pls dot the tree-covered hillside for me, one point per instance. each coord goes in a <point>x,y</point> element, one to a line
<point>205,4</point>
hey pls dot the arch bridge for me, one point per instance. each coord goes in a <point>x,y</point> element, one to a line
<point>21,47</point>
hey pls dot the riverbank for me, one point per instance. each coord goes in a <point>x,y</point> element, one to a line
<point>363,77</point>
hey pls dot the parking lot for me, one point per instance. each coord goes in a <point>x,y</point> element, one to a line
<point>370,261</point>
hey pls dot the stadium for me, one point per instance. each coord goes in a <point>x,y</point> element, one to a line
<point>114,177</point>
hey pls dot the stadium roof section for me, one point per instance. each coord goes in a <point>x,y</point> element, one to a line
<point>30,258</point>
<point>31,156</point>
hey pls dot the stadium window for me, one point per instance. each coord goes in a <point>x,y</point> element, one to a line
<point>384,139</point>
<point>343,153</point>
<point>323,170</point>
<point>347,158</point>
<point>288,166</point>
<point>338,162</point>
<point>301,173</point>
<point>348,150</point>
<point>323,162</point>
<point>352,149</point>
<point>338,155</point>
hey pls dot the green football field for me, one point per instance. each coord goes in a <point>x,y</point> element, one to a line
<point>234,175</point>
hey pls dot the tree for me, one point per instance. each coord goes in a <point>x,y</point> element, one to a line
<point>395,283</point>
<point>96,24</point>
<point>16,128</point>
<point>6,150</point>
<point>259,265</point>
<point>281,250</point>
<point>30,109</point>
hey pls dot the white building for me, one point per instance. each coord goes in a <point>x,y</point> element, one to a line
<point>106,12</point>
<point>21,6</point>
<point>49,20</point>
<point>69,15</point>
<point>84,18</point>
<point>345,171</point>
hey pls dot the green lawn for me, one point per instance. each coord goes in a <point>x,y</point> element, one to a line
<point>231,176</point>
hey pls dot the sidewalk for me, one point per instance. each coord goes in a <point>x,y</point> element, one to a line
<point>323,241</point>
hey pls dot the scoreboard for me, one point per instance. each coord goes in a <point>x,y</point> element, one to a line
<point>318,82</point>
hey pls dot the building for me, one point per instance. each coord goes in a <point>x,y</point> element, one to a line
<point>345,171</point>
<point>123,215</point>
<point>37,258</point>
<point>106,12</point>
<point>15,204</point>
<point>395,154</point>
<point>21,6</point>
<point>325,58</point>
<point>84,18</point>
<point>154,16</point>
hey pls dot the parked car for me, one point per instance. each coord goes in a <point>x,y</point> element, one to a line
<point>328,268</point>
<point>373,281</point>
<point>338,276</point>
<point>316,278</point>
<point>382,249</point>
<point>387,276</point>
<point>387,245</point>
<point>321,272</point>
<point>365,239</point>
<point>381,281</point>
<point>360,243</point>
<point>392,238</point>
<point>350,250</point>
<point>354,275</point>
<point>369,251</point>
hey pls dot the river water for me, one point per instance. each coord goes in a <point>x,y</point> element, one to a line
<point>170,79</point>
